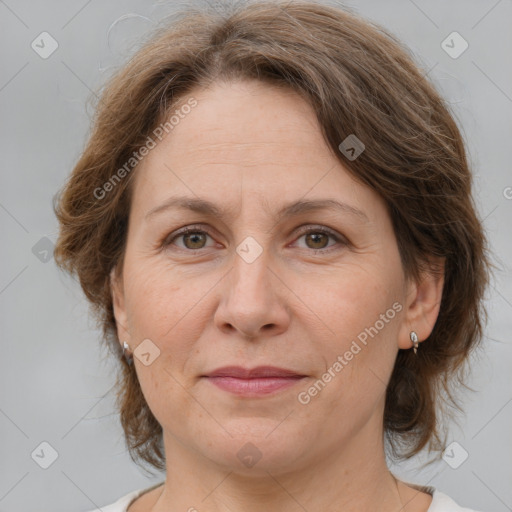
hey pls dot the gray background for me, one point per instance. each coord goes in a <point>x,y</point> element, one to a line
<point>55,380</point>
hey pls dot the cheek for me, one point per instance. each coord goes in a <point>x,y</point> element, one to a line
<point>360,318</point>
<point>152,298</point>
<point>167,309</point>
<point>352,300</point>
<point>358,350</point>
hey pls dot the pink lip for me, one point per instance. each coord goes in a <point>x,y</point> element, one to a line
<point>262,380</point>
<point>252,373</point>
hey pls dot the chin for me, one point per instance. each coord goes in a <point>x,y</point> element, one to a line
<point>257,446</point>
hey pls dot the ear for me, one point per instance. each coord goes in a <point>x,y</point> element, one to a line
<point>422,304</point>
<point>118,303</point>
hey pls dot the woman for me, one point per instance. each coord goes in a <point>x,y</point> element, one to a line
<point>273,220</point>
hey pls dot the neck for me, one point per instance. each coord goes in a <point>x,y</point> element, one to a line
<point>350,478</point>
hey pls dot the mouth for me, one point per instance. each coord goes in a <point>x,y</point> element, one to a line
<point>259,381</point>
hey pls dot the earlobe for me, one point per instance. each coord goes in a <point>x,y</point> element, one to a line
<point>423,305</point>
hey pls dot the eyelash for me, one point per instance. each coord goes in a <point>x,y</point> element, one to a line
<point>199,229</point>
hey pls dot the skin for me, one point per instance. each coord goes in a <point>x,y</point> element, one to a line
<point>253,148</point>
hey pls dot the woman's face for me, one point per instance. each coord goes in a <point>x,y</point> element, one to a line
<point>318,290</point>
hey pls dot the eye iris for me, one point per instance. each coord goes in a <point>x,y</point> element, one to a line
<point>315,236</point>
<point>198,237</point>
<point>194,236</point>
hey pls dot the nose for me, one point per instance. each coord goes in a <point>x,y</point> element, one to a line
<point>252,300</point>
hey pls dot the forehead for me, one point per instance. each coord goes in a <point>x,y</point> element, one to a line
<point>243,120</point>
<point>244,137</point>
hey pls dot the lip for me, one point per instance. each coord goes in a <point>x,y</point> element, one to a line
<point>254,382</point>
<point>238,372</point>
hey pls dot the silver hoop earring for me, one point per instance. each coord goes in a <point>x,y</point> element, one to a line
<point>128,357</point>
<point>414,339</point>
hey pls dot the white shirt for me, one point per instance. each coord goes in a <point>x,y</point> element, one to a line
<point>440,502</point>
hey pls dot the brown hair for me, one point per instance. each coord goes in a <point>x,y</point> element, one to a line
<point>360,81</point>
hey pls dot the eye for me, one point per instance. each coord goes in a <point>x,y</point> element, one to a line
<point>317,237</point>
<point>194,238</point>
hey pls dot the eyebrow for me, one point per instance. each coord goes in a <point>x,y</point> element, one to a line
<point>296,208</point>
